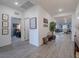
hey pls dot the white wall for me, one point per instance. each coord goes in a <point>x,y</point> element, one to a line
<point>43,31</point>
<point>36,35</point>
<point>33,33</point>
<point>6,39</point>
<point>75,23</point>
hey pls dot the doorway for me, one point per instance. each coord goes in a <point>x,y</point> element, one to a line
<point>64,24</point>
<point>15,29</point>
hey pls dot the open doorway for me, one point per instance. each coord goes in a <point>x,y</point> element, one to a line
<point>64,24</point>
<point>15,29</point>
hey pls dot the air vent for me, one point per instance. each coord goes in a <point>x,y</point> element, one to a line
<point>27,5</point>
<point>16,13</point>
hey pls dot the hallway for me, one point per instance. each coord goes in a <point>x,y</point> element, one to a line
<point>61,47</point>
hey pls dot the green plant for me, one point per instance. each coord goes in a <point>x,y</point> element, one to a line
<point>52,26</point>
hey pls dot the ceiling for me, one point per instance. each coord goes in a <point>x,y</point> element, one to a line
<point>51,6</point>
<point>22,6</point>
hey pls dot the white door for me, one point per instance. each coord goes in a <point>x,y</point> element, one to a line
<point>26,30</point>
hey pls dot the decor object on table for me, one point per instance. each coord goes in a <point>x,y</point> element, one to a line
<point>33,23</point>
<point>45,40</point>
<point>5,24</point>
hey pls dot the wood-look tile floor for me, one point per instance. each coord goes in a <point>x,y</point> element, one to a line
<point>62,47</point>
<point>77,54</point>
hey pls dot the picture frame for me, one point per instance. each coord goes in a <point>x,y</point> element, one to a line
<point>5,17</point>
<point>4,23</point>
<point>45,20</point>
<point>5,28</point>
<point>33,23</point>
<point>45,25</point>
<point>5,31</point>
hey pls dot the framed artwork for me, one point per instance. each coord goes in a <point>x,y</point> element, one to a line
<point>4,24</point>
<point>45,25</point>
<point>5,17</point>
<point>5,28</point>
<point>33,23</point>
<point>5,31</point>
<point>45,20</point>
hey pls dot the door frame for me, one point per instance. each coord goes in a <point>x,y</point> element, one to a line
<point>26,19</point>
<point>11,26</point>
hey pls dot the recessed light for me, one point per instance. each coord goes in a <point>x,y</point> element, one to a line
<point>16,3</point>
<point>77,17</point>
<point>60,10</point>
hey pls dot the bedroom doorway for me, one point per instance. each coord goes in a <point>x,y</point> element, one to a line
<point>15,29</point>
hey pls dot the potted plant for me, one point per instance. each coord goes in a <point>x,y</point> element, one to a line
<point>52,29</point>
<point>52,26</point>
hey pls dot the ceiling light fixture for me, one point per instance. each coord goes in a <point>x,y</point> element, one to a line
<point>16,3</point>
<point>77,17</point>
<point>60,10</point>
